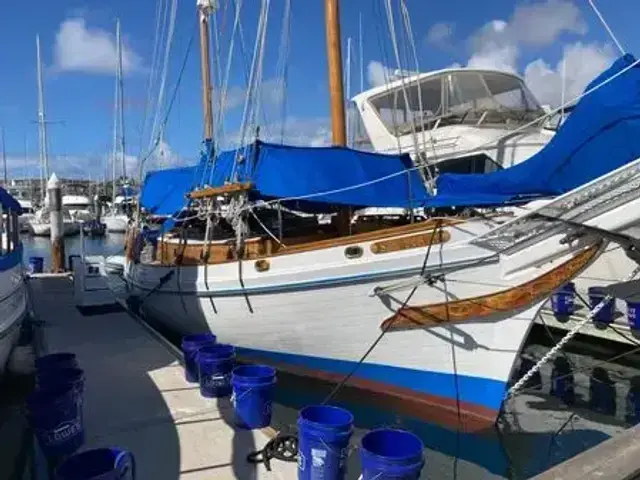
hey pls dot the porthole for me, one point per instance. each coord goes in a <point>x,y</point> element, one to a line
<point>262,265</point>
<point>353,252</point>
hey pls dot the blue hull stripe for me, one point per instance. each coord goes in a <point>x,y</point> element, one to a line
<point>479,391</point>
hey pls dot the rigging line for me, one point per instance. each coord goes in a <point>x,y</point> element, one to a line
<point>396,51</point>
<point>385,72</point>
<point>412,44</point>
<point>165,66</point>
<point>260,77</point>
<point>285,42</point>
<point>253,78</point>
<point>386,328</point>
<point>606,26</point>
<point>154,54</point>
<point>264,227</point>
<point>164,20</point>
<point>172,101</point>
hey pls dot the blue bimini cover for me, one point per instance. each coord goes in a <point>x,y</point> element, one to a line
<point>601,135</point>
<point>9,203</point>
<point>165,191</point>
<point>312,178</point>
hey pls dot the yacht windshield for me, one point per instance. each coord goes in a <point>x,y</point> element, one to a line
<point>476,98</point>
<point>357,136</point>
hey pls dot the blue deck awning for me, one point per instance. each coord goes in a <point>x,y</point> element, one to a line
<point>313,178</point>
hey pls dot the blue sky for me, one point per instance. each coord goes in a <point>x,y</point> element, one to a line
<point>530,37</point>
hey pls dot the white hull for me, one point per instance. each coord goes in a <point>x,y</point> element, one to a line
<point>116,223</point>
<point>41,229</point>
<point>316,313</point>
<point>13,306</point>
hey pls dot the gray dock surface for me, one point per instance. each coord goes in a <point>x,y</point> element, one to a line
<point>615,459</point>
<point>136,396</point>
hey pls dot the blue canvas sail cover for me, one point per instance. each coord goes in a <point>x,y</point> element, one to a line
<point>8,202</point>
<point>283,172</point>
<point>601,134</point>
<point>164,192</point>
<point>316,177</point>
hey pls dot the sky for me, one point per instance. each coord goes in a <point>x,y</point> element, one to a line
<point>533,38</point>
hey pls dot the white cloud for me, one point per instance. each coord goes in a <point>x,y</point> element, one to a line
<point>313,132</point>
<point>497,44</point>
<point>583,62</point>
<point>272,94</point>
<point>378,74</point>
<point>440,33</point>
<point>80,48</point>
<point>543,22</point>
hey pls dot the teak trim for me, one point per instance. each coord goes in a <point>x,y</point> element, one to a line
<point>209,192</point>
<point>478,307</point>
<point>412,241</point>
<point>265,247</point>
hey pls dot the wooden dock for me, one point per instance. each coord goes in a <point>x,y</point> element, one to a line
<point>136,396</point>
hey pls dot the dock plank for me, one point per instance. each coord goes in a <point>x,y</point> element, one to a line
<point>136,396</point>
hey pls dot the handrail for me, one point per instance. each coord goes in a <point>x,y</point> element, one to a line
<point>209,192</point>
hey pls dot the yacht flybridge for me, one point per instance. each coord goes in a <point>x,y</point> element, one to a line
<point>463,119</point>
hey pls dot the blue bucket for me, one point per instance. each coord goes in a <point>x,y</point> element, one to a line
<point>57,360</point>
<point>53,378</point>
<point>633,315</point>
<point>596,295</point>
<point>564,299</point>
<point>215,363</point>
<point>98,464</point>
<point>252,397</point>
<point>55,415</point>
<point>391,454</point>
<point>190,346</point>
<point>36,264</point>
<point>323,439</point>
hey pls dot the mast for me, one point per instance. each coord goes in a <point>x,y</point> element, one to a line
<point>42,126</point>
<point>361,55</point>
<point>334,54</point>
<point>205,7</point>
<point>114,156</point>
<point>121,100</point>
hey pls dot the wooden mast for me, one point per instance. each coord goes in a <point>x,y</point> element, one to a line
<point>334,55</point>
<point>342,220</point>
<point>205,7</point>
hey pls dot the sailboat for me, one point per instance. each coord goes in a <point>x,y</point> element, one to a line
<point>39,224</point>
<point>428,316</point>
<point>13,303</point>
<point>117,219</point>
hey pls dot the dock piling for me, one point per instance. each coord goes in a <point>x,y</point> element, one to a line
<point>54,192</point>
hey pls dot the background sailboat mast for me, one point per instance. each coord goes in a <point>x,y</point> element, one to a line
<point>121,100</point>
<point>205,7</point>
<point>42,126</point>
<point>334,54</point>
